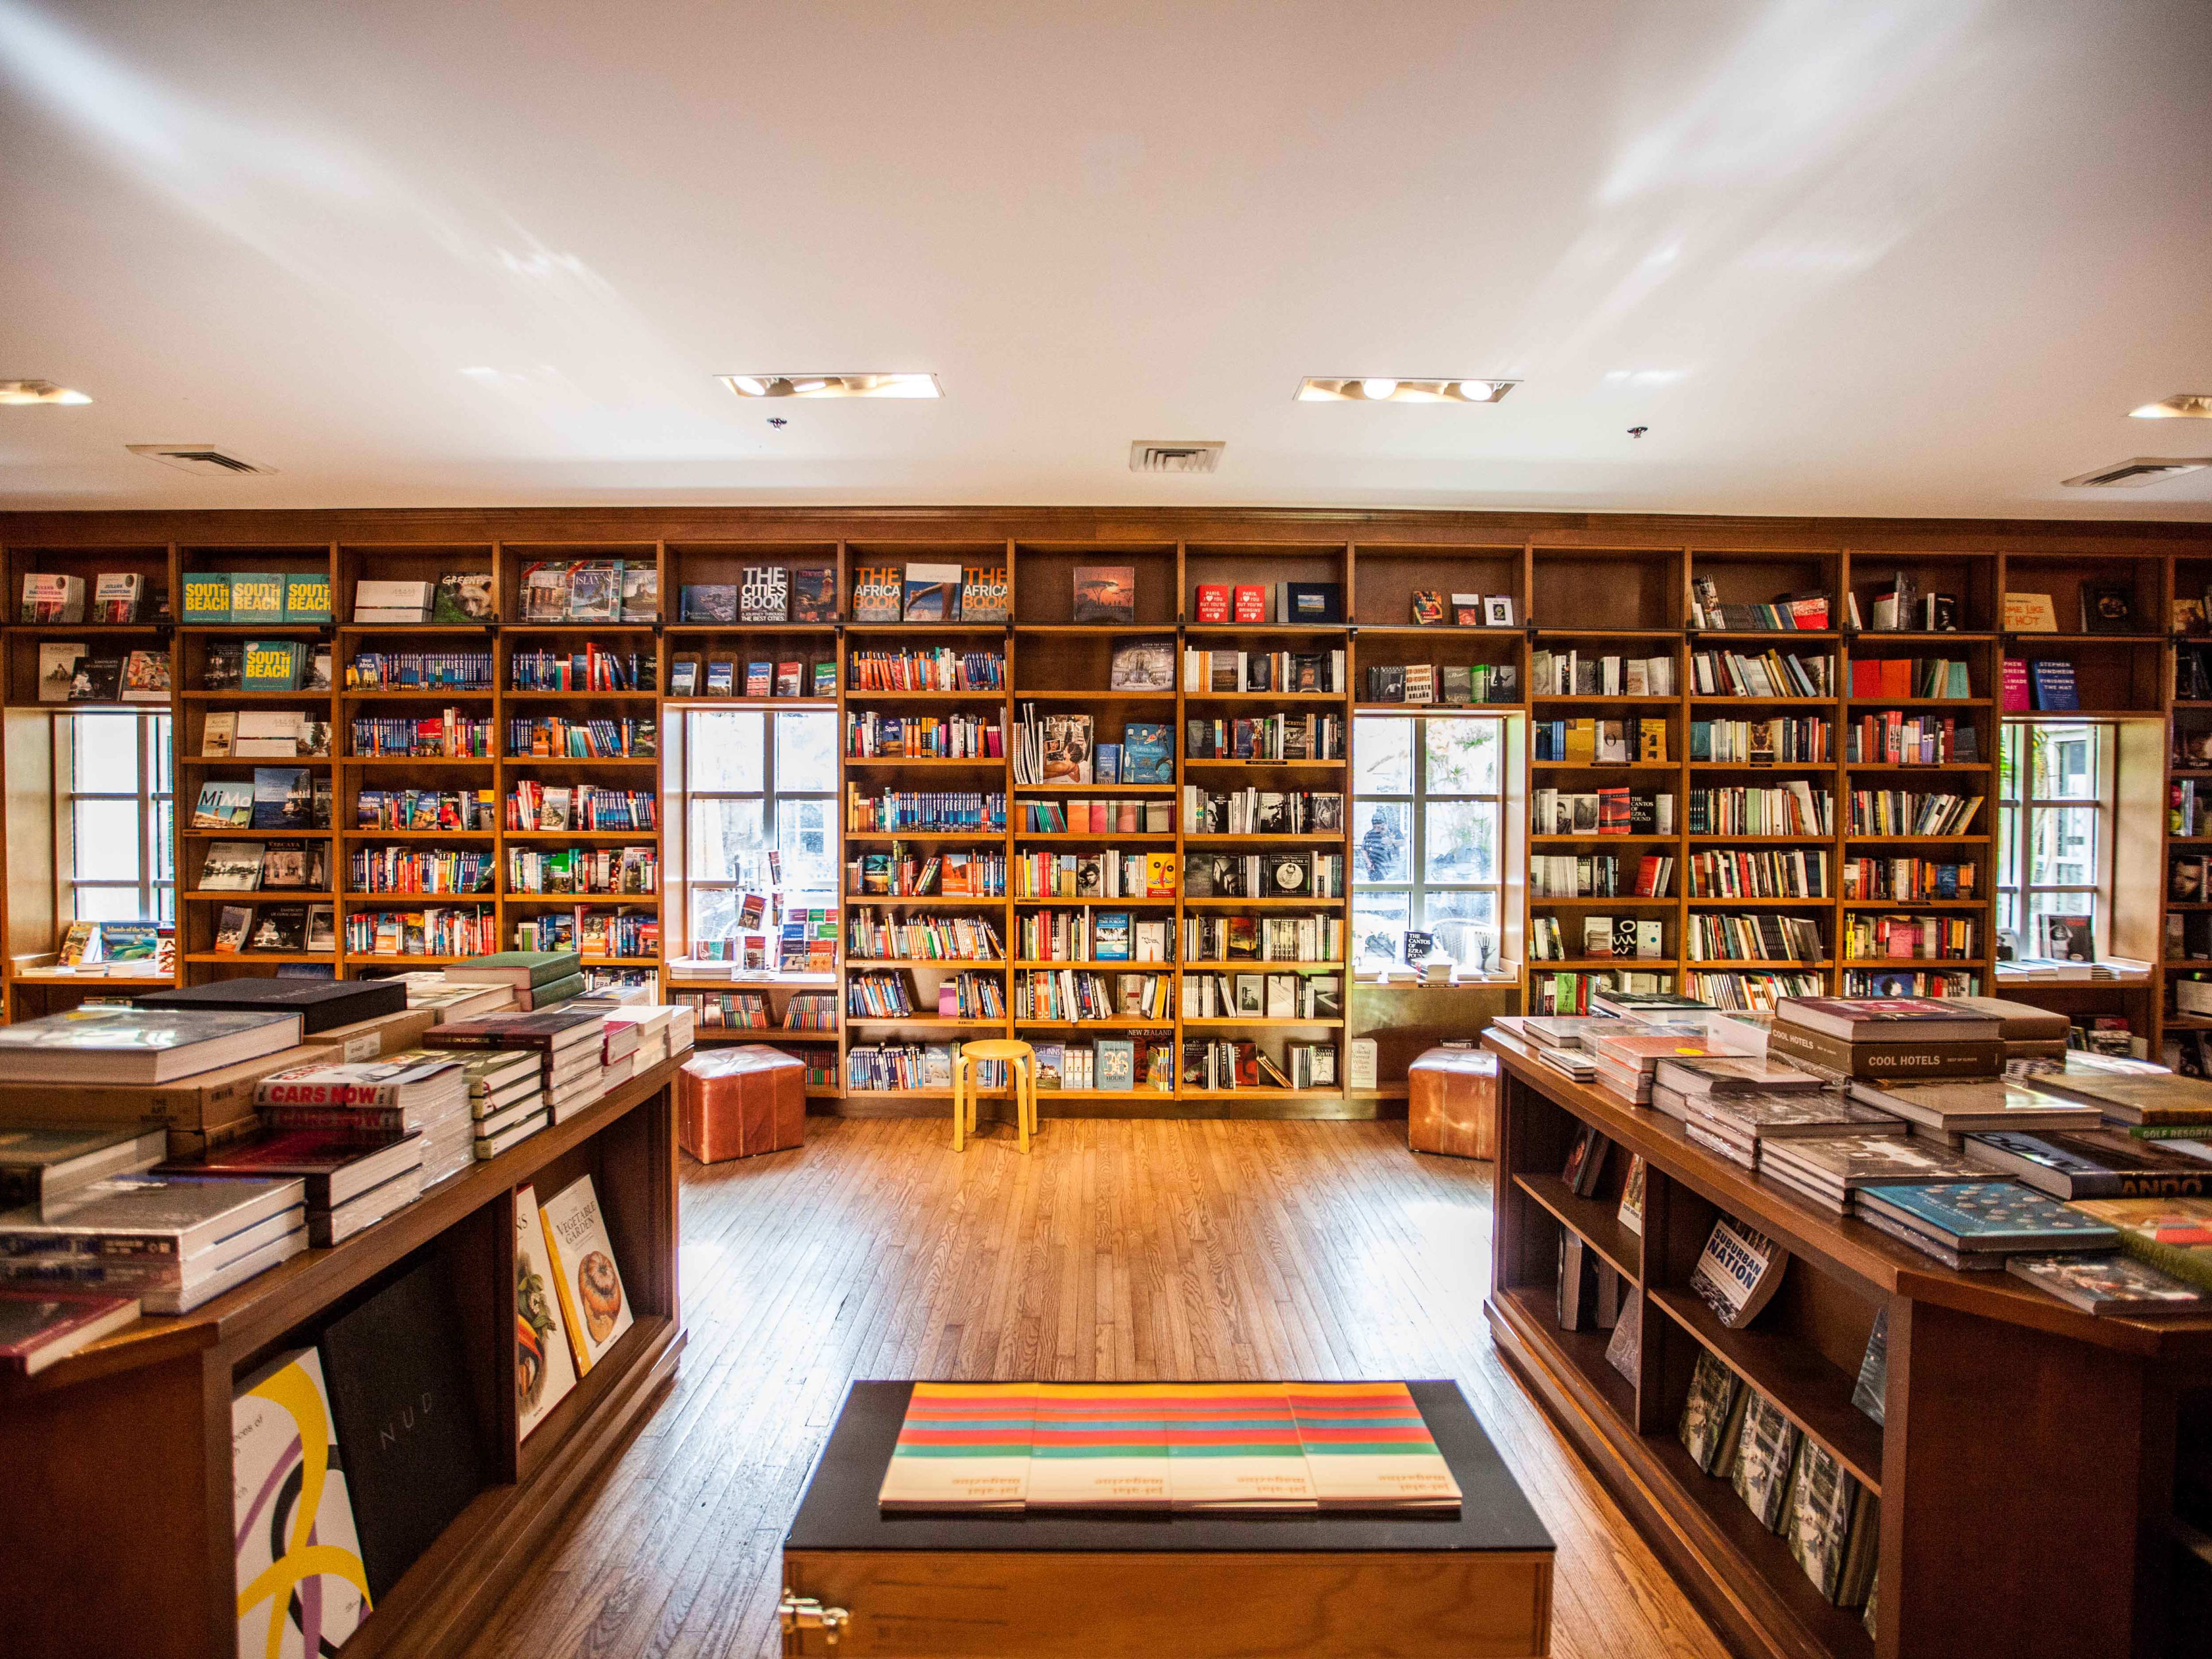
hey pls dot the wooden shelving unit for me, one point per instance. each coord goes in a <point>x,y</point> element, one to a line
<point>1975,1556</point>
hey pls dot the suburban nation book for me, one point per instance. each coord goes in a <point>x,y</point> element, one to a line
<point>406,1419</point>
<point>544,1365</point>
<point>963,1446</point>
<point>594,1304</point>
<point>302,1587</point>
<point>1738,1272</point>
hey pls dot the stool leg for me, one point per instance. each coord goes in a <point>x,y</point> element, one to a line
<point>1025,1100</point>
<point>959,1116</point>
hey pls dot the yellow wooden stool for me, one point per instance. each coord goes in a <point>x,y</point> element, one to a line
<point>1020,1056</point>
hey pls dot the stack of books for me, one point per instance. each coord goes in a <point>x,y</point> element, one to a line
<point>412,1091</point>
<point>1826,1169</point>
<point>507,1099</point>
<point>170,1243</point>
<point>353,1177</point>
<point>536,979</point>
<point>568,1043</point>
<point>1626,1061</point>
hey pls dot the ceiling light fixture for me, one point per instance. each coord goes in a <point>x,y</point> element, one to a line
<point>833,386</point>
<point>2182,405</point>
<point>38,392</point>
<point>1327,389</point>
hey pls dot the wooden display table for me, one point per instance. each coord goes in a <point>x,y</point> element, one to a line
<point>2025,1467</point>
<point>118,1530</point>
<point>1103,1587</point>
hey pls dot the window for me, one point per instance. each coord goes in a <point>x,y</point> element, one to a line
<point>115,811</point>
<point>1426,831</point>
<point>756,781</point>
<point>2055,802</point>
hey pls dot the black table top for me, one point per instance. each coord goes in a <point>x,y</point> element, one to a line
<point>839,1510</point>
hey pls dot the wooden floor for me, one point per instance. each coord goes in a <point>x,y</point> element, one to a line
<point>1121,1250</point>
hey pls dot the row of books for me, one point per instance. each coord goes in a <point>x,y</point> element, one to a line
<point>1600,742</point>
<point>1093,875</point>
<point>229,598</point>
<point>1262,938</point>
<point>593,932</point>
<point>970,996</point>
<point>1897,739</point>
<point>1615,811</point>
<point>593,668</point>
<point>583,870</point>
<point>282,927</point>
<point>1790,612</point>
<point>903,873</point>
<point>1090,935</point>
<point>1572,674</point>
<point>765,593</point>
<point>451,733</point>
<point>116,596</point>
<point>1754,990</point>
<point>869,735</point>
<point>551,736</point>
<point>1876,677</point>
<point>1226,1063</point>
<point>1569,993</point>
<point>1925,937</point>
<point>1285,602</point>
<point>72,673</point>
<point>1916,879</point>
<point>1904,812</point>
<point>1770,875</point>
<point>534,805</point>
<point>1067,994</point>
<point>1458,684</point>
<point>1555,939</point>
<point>1794,808</point>
<point>430,809</point>
<point>718,676</point>
<point>1262,996</point>
<point>939,592</point>
<point>246,866</point>
<point>583,590</point>
<point>1263,737</point>
<point>2185,809</point>
<point>1894,982</point>
<point>1720,936</point>
<point>1773,673</point>
<point>1285,873</point>
<point>123,949</point>
<point>1794,741</point>
<point>405,869</point>
<point>924,810</point>
<point>1105,1064</point>
<point>912,669</point>
<point>1598,875</point>
<point>1468,609</point>
<point>878,995</point>
<point>276,797</point>
<point>466,931</point>
<point>806,1010</point>
<point>420,671</point>
<point>1294,674</point>
<point>1252,811</point>
<point>1056,749</point>
<point>883,936</point>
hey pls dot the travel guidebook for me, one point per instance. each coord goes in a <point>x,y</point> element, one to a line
<point>1193,1447</point>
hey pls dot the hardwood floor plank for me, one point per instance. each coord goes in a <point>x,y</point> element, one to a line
<point>1120,1250</point>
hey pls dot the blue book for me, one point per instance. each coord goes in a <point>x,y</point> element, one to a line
<point>1147,753</point>
<point>1990,1215</point>
<point>1106,764</point>
<point>2053,685</point>
<point>1109,936</point>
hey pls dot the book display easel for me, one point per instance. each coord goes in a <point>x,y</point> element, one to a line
<point>1461,609</point>
<point>1976,1552</point>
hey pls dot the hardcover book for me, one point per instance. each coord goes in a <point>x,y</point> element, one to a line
<point>931,593</point>
<point>1738,1272</point>
<point>1712,1415</point>
<point>588,1280</point>
<point>207,599</point>
<point>257,596</point>
<point>1428,607</point>
<point>40,1325</point>
<point>1105,594</point>
<point>814,593</point>
<point>1869,1392</point>
<point>1765,1460</point>
<point>306,597</point>
<point>302,1586</point>
<point>985,596</point>
<point>878,594</point>
<point>463,596</point>
<point>765,594</point>
<point>406,1419</point>
<point>223,803</point>
<point>709,602</point>
<point>1989,1215</point>
<point>2109,1283</point>
<point>1213,602</point>
<point>1833,1527</point>
<point>545,1366</point>
<point>284,797</point>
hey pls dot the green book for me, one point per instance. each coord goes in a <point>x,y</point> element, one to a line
<point>257,596</point>
<point>272,664</point>
<point>556,991</point>
<point>207,598</point>
<point>306,597</point>
<point>530,969</point>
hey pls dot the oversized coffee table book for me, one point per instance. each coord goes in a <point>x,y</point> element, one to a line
<point>1012,1578</point>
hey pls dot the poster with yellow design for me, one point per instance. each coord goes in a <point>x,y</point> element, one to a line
<point>302,1588</point>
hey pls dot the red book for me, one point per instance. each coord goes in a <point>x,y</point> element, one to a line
<point>1897,677</point>
<point>1213,602</point>
<point>1866,678</point>
<point>39,1326</point>
<point>1251,604</point>
<point>2014,699</point>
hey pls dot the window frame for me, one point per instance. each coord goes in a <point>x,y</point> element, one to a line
<point>2017,898</point>
<point>155,744</point>
<point>1417,800</point>
<point>691,792</point>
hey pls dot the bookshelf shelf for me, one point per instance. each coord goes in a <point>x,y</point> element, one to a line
<point>1596,1221</point>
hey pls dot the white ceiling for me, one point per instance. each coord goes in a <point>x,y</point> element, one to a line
<point>1871,257</point>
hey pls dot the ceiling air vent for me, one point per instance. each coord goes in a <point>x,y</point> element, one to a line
<point>1193,455</point>
<point>198,458</point>
<point>2135,474</point>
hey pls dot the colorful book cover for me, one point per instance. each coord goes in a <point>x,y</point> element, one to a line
<point>963,1446</point>
<point>983,594</point>
<point>878,594</point>
<point>257,596</point>
<point>301,1587</point>
<point>207,598</point>
<point>306,597</point>
<point>1991,1214</point>
<point>932,592</point>
<point>1236,1446</point>
<point>271,665</point>
<point>1147,753</point>
<point>1368,1445</point>
<point>544,1367</point>
<point>1100,1446</point>
<point>814,593</point>
<point>594,1304</point>
<point>1105,594</point>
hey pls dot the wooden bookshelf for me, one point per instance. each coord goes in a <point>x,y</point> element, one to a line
<point>1975,1557</point>
<point>141,1418</point>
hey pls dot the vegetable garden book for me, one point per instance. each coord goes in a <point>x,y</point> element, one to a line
<point>594,1302</point>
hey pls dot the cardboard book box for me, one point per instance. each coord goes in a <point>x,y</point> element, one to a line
<point>1452,1103</point>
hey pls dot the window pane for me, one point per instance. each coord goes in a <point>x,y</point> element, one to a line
<point>728,840</point>
<point>165,904</point>
<point>2009,742</point>
<point>165,847</point>
<point>106,752</point>
<point>2009,922</point>
<point>1382,853</point>
<point>108,904</point>
<point>807,839</point>
<point>806,752</point>
<point>2009,847</point>
<point>714,912</point>
<point>2063,850</point>
<point>1460,841</point>
<point>1462,756</point>
<point>1451,904</point>
<point>2065,762</point>
<point>165,782</point>
<point>105,840</point>
<point>1382,755</point>
<point>728,749</point>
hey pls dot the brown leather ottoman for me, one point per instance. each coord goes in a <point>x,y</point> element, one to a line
<point>739,1102</point>
<point>1451,1102</point>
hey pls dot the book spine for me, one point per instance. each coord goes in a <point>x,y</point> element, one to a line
<point>1899,1062</point>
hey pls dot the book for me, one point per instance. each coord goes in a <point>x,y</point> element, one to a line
<point>406,1417</point>
<point>1765,1460</point>
<point>961,1446</point>
<point>544,1364</point>
<point>1987,1216</point>
<point>2029,613</point>
<point>337,1165</point>
<point>1097,1446</point>
<point>2050,684</point>
<point>2132,1097</point>
<point>1887,1020</point>
<point>1834,1526</point>
<point>1624,1349</point>
<point>814,593</point>
<point>1212,602</point>
<point>50,596</point>
<point>985,596</point>
<point>40,1324</point>
<point>1142,665</point>
<point>171,1223</point>
<point>878,594</point>
<point>1248,604</point>
<point>1711,1425</point>
<point>764,596</point>
<point>257,596</point>
<point>2109,1283</point>
<point>1104,594</point>
<point>232,923</point>
<point>1931,1059</point>
<point>930,593</point>
<point>1871,1389</point>
<point>524,968</point>
<point>1310,605</point>
<point>1630,1212</point>
<point>2107,608</point>
<point>588,1278</point>
<point>98,679</point>
<point>2092,1164</point>
<point>1428,607</point>
<point>306,597</point>
<point>146,677</point>
<point>109,1044</point>
<point>1738,1272</point>
<point>640,591</point>
<point>709,602</point>
<point>57,666</point>
<point>117,596</point>
<point>302,1587</point>
<point>2173,1235</point>
<point>462,597</point>
<point>284,797</point>
<point>39,1165</point>
<point>207,599</point>
<point>1368,1446</point>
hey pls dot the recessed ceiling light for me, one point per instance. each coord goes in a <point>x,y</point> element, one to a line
<point>38,392</point>
<point>1322,389</point>
<point>2193,405</point>
<point>833,386</point>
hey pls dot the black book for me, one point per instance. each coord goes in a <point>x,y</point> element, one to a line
<point>1198,739</point>
<point>226,665</point>
<point>406,1420</point>
<point>320,1004</point>
<point>280,928</point>
<point>284,797</point>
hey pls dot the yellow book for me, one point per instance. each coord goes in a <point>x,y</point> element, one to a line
<point>1159,875</point>
<point>1581,741</point>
